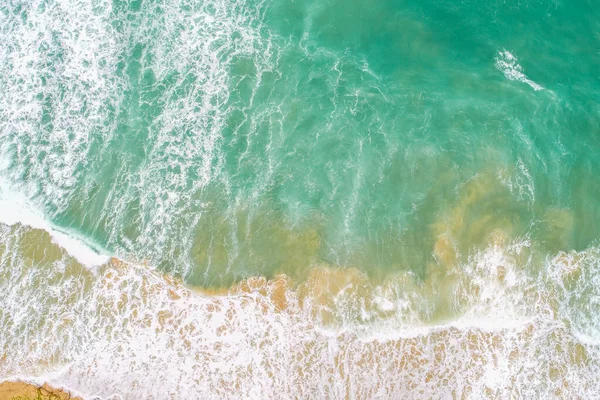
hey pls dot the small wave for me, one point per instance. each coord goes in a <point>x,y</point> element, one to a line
<point>507,63</point>
<point>16,209</point>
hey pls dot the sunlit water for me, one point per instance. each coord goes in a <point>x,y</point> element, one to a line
<point>309,199</point>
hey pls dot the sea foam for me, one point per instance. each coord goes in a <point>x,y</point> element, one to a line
<point>129,332</point>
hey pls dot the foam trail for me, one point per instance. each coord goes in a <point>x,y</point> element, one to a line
<point>508,65</point>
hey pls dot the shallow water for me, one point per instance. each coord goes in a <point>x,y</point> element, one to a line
<point>295,195</point>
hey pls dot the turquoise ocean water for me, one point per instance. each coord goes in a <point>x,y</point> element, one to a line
<point>422,175</point>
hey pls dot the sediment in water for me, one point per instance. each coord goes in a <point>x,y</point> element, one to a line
<point>480,327</point>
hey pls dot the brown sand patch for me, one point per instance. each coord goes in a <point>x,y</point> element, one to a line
<point>274,289</point>
<point>28,391</point>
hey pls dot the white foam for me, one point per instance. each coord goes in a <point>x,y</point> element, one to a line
<point>17,209</point>
<point>128,332</point>
<point>57,86</point>
<point>508,65</point>
<point>61,94</point>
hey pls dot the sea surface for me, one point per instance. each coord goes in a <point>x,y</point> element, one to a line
<point>301,199</point>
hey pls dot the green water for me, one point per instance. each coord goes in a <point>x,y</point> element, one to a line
<point>424,173</point>
<point>223,140</point>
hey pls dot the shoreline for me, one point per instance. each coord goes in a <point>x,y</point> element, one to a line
<point>337,321</point>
